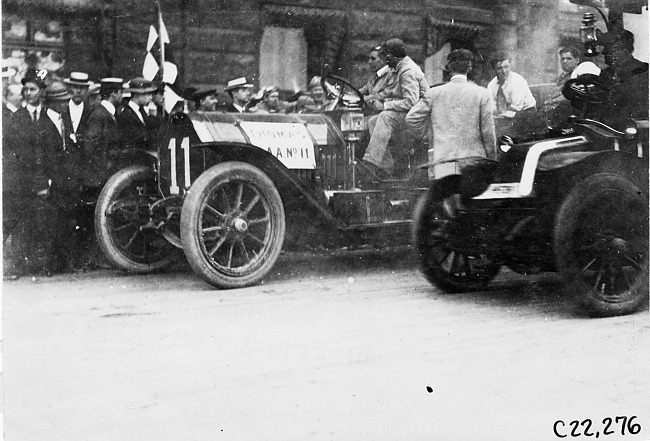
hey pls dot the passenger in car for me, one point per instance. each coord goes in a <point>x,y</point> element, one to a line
<point>314,101</point>
<point>239,90</point>
<point>410,86</point>
<point>509,90</point>
<point>271,102</point>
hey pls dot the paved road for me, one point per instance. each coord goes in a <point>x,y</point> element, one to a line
<point>343,346</point>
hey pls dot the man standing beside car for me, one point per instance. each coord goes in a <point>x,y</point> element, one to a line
<point>461,116</point>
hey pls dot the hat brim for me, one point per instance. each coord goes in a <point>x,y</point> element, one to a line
<point>70,82</point>
<point>143,90</point>
<point>239,86</point>
<point>64,97</point>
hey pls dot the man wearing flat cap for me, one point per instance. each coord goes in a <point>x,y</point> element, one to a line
<point>460,114</point>
<point>239,90</point>
<point>133,121</point>
<point>77,112</point>
<point>410,86</point>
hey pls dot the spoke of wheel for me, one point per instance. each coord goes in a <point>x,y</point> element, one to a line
<point>240,191</point>
<point>214,210</point>
<point>232,247</point>
<point>211,229</point>
<point>599,276</point>
<point>588,265</point>
<point>217,246</point>
<point>225,199</point>
<point>130,242</point>
<point>252,203</point>
<point>261,220</point>
<point>261,242</point>
<point>127,225</point>
<point>243,247</point>
<point>632,261</point>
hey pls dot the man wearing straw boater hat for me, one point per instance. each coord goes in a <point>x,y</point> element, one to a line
<point>239,90</point>
<point>133,121</point>
<point>102,136</point>
<point>76,114</point>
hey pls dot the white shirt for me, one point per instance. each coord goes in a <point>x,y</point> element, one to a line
<point>108,106</point>
<point>76,110</point>
<point>55,117</point>
<point>241,109</point>
<point>517,92</point>
<point>136,109</point>
<point>31,109</point>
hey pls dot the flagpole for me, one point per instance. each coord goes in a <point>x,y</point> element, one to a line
<point>160,40</point>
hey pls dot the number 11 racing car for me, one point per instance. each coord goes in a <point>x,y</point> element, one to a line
<point>226,187</point>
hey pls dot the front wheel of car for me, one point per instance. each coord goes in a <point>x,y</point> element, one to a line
<point>442,261</point>
<point>232,225</point>
<point>123,223</point>
<point>601,245</point>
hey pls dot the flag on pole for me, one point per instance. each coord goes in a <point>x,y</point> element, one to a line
<point>163,67</point>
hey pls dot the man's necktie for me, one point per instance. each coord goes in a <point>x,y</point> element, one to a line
<point>35,115</point>
<point>502,104</point>
<point>144,116</point>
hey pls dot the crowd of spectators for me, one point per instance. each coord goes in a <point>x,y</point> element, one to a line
<point>60,137</point>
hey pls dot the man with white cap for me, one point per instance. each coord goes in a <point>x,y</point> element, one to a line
<point>133,121</point>
<point>239,90</point>
<point>76,115</point>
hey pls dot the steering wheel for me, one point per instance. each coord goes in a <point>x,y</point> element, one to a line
<point>586,90</point>
<point>339,91</point>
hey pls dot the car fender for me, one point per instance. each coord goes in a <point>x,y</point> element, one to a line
<point>293,191</point>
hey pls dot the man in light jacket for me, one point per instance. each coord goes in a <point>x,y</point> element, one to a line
<point>460,114</point>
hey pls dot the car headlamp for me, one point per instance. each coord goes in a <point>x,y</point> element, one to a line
<point>633,127</point>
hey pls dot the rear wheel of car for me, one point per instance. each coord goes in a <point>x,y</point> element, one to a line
<point>601,245</point>
<point>232,225</point>
<point>442,263</point>
<point>123,225</point>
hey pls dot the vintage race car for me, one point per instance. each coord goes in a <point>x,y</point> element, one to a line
<point>225,188</point>
<point>572,200</point>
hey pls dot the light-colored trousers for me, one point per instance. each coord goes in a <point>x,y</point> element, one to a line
<point>381,128</point>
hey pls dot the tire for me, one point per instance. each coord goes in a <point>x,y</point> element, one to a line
<point>444,267</point>
<point>601,245</point>
<point>121,213</point>
<point>232,225</point>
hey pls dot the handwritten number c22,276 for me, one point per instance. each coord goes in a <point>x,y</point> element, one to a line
<point>578,428</point>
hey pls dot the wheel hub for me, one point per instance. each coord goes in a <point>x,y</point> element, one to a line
<point>240,225</point>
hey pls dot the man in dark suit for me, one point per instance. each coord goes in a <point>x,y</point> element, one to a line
<point>76,113</point>
<point>239,90</point>
<point>102,136</point>
<point>133,121</point>
<point>28,158</point>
